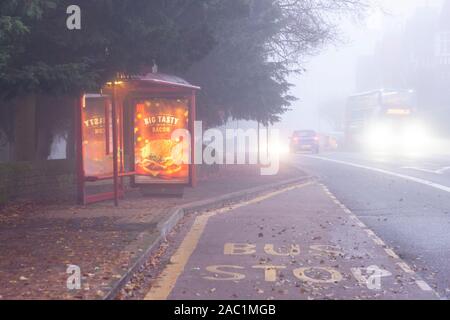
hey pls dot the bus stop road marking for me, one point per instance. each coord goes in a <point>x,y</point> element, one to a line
<point>166,281</point>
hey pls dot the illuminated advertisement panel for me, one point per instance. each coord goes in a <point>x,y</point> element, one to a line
<point>97,141</point>
<point>158,158</point>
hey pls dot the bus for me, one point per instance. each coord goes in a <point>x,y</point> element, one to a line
<point>383,119</point>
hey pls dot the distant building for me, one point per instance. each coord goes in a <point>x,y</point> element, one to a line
<point>415,56</point>
<point>443,36</point>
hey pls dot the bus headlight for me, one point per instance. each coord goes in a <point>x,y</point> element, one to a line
<point>379,136</point>
<point>415,135</point>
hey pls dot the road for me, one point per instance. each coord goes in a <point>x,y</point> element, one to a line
<point>366,227</point>
<point>404,200</point>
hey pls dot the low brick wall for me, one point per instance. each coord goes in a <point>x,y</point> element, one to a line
<point>45,180</point>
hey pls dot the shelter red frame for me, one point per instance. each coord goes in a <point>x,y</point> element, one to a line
<point>121,93</point>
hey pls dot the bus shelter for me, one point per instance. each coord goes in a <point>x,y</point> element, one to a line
<point>127,131</point>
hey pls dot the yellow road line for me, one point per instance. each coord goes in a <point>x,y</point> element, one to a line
<point>166,281</point>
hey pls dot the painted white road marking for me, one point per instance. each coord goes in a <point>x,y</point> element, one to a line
<point>443,170</point>
<point>360,224</point>
<point>405,267</point>
<point>370,233</point>
<point>423,285</point>
<point>391,253</point>
<point>439,171</point>
<point>390,173</point>
<point>378,241</point>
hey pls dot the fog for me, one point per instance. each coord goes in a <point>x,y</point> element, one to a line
<point>331,76</point>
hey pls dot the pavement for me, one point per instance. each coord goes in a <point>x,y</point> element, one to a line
<point>39,241</point>
<point>297,243</point>
<point>404,199</point>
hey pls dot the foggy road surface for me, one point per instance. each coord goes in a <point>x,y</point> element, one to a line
<point>404,200</point>
<point>296,243</point>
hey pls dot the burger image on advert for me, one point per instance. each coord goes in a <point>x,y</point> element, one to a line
<point>161,158</point>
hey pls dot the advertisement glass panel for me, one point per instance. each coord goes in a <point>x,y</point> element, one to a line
<point>158,157</point>
<point>97,141</point>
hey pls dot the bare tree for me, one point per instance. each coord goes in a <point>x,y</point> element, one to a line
<point>306,25</point>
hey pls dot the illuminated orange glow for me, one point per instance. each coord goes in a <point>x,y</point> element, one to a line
<point>157,156</point>
<point>95,157</point>
<point>110,83</point>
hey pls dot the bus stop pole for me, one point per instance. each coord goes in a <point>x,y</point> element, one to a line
<point>193,115</point>
<point>115,145</point>
<point>81,193</point>
<point>259,143</point>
